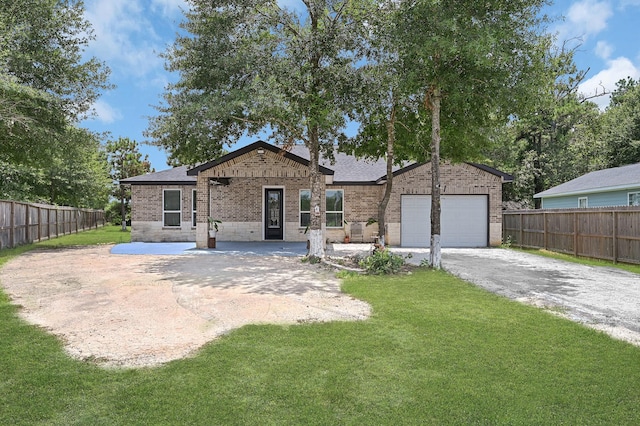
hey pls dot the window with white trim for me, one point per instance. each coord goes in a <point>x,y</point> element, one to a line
<point>634,198</point>
<point>334,208</point>
<point>194,203</point>
<point>305,208</point>
<point>171,207</point>
<point>583,202</point>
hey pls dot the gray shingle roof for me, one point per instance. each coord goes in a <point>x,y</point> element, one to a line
<point>618,178</point>
<point>348,168</point>
<point>345,169</point>
<point>177,175</point>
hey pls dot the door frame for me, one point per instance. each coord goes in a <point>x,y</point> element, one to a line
<point>264,210</point>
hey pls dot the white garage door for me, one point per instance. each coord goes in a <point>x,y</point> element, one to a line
<point>464,221</point>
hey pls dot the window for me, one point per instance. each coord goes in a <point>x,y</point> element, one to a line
<point>334,208</point>
<point>193,208</point>
<point>171,211</point>
<point>583,202</point>
<point>305,208</point>
<point>634,198</point>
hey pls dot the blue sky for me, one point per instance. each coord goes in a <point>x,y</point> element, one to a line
<point>130,35</point>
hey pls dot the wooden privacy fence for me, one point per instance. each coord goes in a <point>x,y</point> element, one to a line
<point>611,233</point>
<point>23,223</point>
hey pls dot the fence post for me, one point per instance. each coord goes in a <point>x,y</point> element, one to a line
<point>615,237</point>
<point>12,225</point>
<point>544,229</point>
<point>27,221</point>
<point>575,234</point>
<point>520,240</point>
<point>39,224</point>
<point>48,224</point>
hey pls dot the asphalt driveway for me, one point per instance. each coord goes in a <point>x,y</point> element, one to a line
<point>604,298</point>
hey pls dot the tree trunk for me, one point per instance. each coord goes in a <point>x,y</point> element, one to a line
<point>123,209</point>
<point>382,207</point>
<point>435,252</point>
<point>316,237</point>
<point>538,183</point>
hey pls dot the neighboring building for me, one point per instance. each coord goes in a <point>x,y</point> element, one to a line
<point>619,186</point>
<point>261,192</point>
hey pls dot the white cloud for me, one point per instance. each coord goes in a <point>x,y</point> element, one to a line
<point>125,36</point>
<point>604,49</point>
<point>617,69</point>
<point>170,8</point>
<point>625,3</point>
<point>105,113</point>
<point>584,19</point>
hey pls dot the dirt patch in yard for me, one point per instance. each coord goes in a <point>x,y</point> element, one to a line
<point>145,310</point>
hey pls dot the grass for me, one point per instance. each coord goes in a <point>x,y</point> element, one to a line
<point>106,235</point>
<point>437,350</point>
<point>581,260</point>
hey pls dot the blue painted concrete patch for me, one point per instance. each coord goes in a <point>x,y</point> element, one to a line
<point>262,248</point>
<point>152,248</point>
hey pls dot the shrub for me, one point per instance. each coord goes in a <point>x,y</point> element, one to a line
<point>382,262</point>
<point>113,214</point>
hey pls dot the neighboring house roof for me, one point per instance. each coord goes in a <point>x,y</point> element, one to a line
<point>346,169</point>
<point>615,179</point>
<point>176,175</point>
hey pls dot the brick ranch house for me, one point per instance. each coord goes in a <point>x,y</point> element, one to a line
<point>261,192</point>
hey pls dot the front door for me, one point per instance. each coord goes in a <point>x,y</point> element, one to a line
<point>273,226</point>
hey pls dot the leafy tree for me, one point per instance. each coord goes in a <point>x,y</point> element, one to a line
<point>75,173</point>
<point>78,174</point>
<point>29,119</point>
<point>249,66</point>
<point>41,46</point>
<point>621,124</point>
<point>46,86</point>
<point>555,140</point>
<point>125,161</point>
<point>471,65</point>
<point>385,113</point>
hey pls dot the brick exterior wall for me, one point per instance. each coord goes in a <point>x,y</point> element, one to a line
<point>455,179</point>
<point>240,204</point>
<point>146,214</point>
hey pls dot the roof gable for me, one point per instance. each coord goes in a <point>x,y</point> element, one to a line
<point>254,146</point>
<point>617,178</point>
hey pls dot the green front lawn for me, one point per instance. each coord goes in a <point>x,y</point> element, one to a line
<point>436,351</point>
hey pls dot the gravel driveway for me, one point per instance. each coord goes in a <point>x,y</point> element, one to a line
<point>604,298</point>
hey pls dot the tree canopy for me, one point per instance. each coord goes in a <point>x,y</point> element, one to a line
<point>46,87</point>
<point>470,66</point>
<point>621,124</point>
<point>252,66</point>
<point>41,47</point>
<point>125,161</point>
